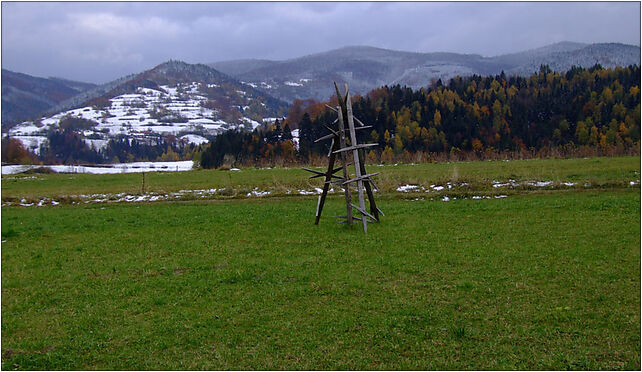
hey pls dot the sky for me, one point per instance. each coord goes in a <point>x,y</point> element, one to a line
<point>101,41</point>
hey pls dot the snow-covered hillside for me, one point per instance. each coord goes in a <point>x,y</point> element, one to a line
<point>180,110</point>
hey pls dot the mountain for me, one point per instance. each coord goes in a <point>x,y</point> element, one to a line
<point>609,55</point>
<point>25,97</point>
<point>192,102</point>
<point>169,73</point>
<point>526,57</point>
<point>241,66</point>
<point>365,68</point>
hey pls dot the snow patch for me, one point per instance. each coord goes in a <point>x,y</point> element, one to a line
<point>195,139</point>
<point>407,188</point>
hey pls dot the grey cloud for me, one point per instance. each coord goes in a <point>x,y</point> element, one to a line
<point>102,41</point>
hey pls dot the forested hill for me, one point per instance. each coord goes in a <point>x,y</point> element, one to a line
<point>594,107</point>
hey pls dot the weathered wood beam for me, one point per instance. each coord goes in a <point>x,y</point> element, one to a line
<point>342,143</point>
<point>359,121</point>
<point>362,178</point>
<point>326,185</point>
<point>327,136</point>
<point>331,108</point>
<point>373,205</point>
<point>363,212</point>
<point>364,127</point>
<point>355,156</point>
<point>314,171</point>
<point>357,147</point>
<point>319,173</point>
<point>331,130</point>
<point>333,134</point>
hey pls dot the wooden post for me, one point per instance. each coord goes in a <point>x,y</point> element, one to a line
<point>328,178</point>
<point>342,140</point>
<point>373,206</point>
<point>355,156</point>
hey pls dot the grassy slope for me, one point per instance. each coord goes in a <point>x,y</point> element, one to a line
<point>597,171</point>
<point>547,281</point>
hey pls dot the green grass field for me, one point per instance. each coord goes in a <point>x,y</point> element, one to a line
<point>542,279</point>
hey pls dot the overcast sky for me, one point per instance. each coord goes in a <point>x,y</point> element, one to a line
<point>99,42</point>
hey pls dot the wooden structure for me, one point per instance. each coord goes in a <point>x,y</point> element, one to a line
<point>344,144</point>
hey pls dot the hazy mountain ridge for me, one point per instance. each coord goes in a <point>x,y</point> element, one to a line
<point>25,96</point>
<point>365,68</point>
<point>609,55</point>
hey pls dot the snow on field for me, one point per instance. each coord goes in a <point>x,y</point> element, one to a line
<point>272,120</point>
<point>253,123</point>
<point>195,139</point>
<point>295,84</point>
<point>407,188</point>
<point>98,144</point>
<point>138,167</point>
<point>258,193</point>
<point>539,183</point>
<point>315,192</point>
<point>295,138</point>
<point>32,143</point>
<point>511,183</point>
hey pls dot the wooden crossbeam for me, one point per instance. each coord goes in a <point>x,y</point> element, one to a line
<point>328,136</point>
<point>365,177</point>
<point>359,121</point>
<point>321,174</point>
<point>357,147</point>
<point>363,211</point>
<point>332,130</point>
<point>363,127</point>
<point>314,171</point>
<point>331,108</point>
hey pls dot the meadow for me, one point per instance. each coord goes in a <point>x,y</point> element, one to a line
<point>541,278</point>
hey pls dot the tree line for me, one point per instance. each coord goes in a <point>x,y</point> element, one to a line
<point>592,109</point>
